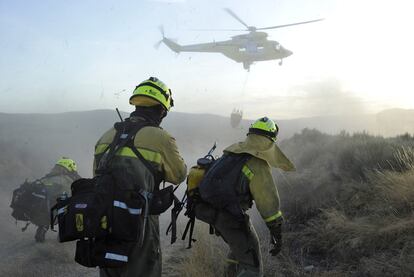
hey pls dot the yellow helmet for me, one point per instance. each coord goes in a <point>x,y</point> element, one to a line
<point>152,92</point>
<point>265,127</point>
<point>67,163</point>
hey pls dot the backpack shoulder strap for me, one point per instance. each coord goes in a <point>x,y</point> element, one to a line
<point>240,156</point>
<point>125,133</point>
<point>143,160</point>
<point>157,175</point>
<point>239,160</point>
<point>229,162</point>
<point>110,152</point>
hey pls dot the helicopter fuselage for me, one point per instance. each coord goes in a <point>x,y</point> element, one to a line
<point>246,48</point>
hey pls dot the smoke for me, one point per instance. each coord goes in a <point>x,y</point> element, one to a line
<point>326,97</point>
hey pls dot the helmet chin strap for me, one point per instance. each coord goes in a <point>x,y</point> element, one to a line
<point>163,113</point>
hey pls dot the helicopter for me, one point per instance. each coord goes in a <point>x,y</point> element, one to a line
<point>245,48</point>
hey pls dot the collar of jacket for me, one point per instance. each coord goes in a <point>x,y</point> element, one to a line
<point>136,118</point>
<point>264,149</point>
<point>149,114</point>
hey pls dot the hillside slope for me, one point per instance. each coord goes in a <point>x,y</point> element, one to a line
<point>331,189</point>
<point>39,139</point>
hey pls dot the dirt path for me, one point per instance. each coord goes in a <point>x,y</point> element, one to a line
<point>20,255</point>
<point>172,254</point>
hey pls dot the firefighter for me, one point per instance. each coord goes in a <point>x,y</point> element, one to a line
<point>253,182</point>
<point>57,182</point>
<point>152,100</point>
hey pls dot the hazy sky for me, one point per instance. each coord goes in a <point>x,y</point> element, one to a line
<point>60,56</point>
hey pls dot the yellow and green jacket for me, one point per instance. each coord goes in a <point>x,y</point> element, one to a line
<point>58,181</point>
<point>258,174</point>
<point>156,146</point>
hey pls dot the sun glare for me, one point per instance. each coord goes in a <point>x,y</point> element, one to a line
<point>376,50</point>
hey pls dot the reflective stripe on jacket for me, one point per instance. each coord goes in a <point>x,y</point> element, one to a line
<point>155,145</point>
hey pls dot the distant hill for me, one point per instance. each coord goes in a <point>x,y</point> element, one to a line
<point>39,139</point>
<point>395,121</point>
<point>386,123</point>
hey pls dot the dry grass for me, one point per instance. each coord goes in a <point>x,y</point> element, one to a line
<point>206,258</point>
<point>370,229</point>
<point>349,211</point>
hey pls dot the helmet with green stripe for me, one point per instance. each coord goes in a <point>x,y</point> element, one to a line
<point>265,127</point>
<point>152,92</point>
<point>67,163</point>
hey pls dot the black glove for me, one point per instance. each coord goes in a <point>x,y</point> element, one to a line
<point>275,237</point>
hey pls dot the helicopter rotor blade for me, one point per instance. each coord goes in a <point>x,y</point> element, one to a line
<point>236,17</point>
<point>292,24</point>
<point>220,30</point>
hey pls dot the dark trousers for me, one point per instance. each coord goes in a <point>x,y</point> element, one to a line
<point>244,259</point>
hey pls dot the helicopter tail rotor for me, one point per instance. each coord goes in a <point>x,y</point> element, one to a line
<point>157,45</point>
<point>164,39</point>
<point>161,28</point>
<point>169,42</point>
